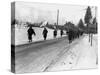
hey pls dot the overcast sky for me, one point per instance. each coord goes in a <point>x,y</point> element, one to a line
<point>37,12</point>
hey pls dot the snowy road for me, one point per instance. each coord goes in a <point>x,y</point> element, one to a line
<point>80,56</point>
<point>47,55</point>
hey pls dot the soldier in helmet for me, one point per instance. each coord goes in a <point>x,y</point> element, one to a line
<point>70,36</point>
<point>45,31</point>
<point>30,33</point>
<point>55,33</point>
<point>61,32</point>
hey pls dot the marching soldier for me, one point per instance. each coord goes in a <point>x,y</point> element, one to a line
<point>55,33</point>
<point>45,31</point>
<point>30,33</point>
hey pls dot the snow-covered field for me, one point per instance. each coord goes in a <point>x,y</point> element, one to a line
<point>21,36</point>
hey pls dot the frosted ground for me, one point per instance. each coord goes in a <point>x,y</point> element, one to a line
<point>81,56</point>
<point>57,55</point>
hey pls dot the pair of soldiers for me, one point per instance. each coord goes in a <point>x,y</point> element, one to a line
<point>55,33</point>
<point>31,32</point>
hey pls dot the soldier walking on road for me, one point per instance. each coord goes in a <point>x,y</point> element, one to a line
<point>45,31</point>
<point>61,32</point>
<point>55,33</point>
<point>30,33</point>
<point>70,36</point>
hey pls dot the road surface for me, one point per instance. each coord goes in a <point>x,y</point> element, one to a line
<point>39,56</point>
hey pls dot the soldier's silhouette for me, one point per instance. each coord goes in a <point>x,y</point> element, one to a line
<point>45,31</point>
<point>70,36</point>
<point>55,33</point>
<point>30,33</point>
<point>61,32</point>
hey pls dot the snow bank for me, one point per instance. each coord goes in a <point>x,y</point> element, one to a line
<point>22,38</point>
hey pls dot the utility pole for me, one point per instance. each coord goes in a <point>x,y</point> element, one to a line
<point>57,16</point>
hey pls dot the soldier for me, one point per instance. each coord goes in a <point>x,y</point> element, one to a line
<point>70,35</point>
<point>45,31</point>
<point>61,32</point>
<point>30,33</point>
<point>55,33</point>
